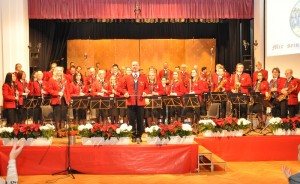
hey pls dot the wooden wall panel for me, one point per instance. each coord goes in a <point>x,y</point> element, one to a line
<point>150,52</point>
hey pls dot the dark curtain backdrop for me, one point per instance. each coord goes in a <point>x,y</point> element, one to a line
<point>54,34</point>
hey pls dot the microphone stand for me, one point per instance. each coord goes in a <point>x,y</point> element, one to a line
<point>68,169</point>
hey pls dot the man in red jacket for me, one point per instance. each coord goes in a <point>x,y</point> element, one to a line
<point>289,88</point>
<point>135,87</point>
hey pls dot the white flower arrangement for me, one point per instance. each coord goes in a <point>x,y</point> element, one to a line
<point>124,130</point>
<point>47,127</point>
<point>187,127</point>
<point>151,129</point>
<point>6,129</point>
<point>243,121</point>
<point>275,120</point>
<point>86,126</point>
<point>207,121</point>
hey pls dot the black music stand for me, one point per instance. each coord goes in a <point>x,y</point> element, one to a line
<point>155,102</point>
<point>31,102</point>
<point>120,102</point>
<point>191,101</point>
<point>239,99</point>
<point>79,102</point>
<point>257,97</point>
<point>219,97</point>
<point>171,101</point>
<point>101,102</point>
<point>45,101</point>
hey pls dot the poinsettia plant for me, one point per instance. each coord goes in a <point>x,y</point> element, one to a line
<point>106,131</point>
<point>165,131</point>
<point>206,124</point>
<point>26,131</point>
<point>47,131</point>
<point>275,123</point>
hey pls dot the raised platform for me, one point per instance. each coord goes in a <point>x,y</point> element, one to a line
<point>131,159</point>
<point>253,148</point>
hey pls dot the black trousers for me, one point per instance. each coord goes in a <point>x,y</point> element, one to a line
<point>11,117</point>
<point>136,117</point>
<point>276,111</point>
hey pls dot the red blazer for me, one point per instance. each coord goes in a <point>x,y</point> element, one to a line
<point>97,88</point>
<point>264,72</point>
<point>161,74</point>
<point>89,80</point>
<point>185,78</point>
<point>8,93</point>
<point>47,76</point>
<point>215,83</point>
<point>293,96</point>
<point>35,89</point>
<point>199,87</point>
<point>110,89</point>
<point>75,89</point>
<point>153,87</point>
<point>54,88</point>
<point>163,90</point>
<point>128,86</point>
<point>21,89</point>
<point>264,87</point>
<point>245,81</point>
<point>177,87</point>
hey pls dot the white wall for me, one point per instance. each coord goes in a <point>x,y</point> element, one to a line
<point>14,37</point>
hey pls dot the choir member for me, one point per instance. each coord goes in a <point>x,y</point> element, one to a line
<point>10,98</point>
<point>99,88</point>
<point>176,89</point>
<point>47,75</point>
<point>152,115</point>
<point>221,83</point>
<point>58,88</point>
<point>239,83</point>
<point>289,90</point>
<point>184,76</point>
<point>258,66</point>
<point>273,92</point>
<point>261,85</point>
<point>77,88</point>
<point>166,73</point>
<point>90,79</point>
<point>113,92</point>
<point>163,90</point>
<point>38,90</point>
<point>23,92</point>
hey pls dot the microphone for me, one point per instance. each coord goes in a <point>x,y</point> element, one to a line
<point>211,51</point>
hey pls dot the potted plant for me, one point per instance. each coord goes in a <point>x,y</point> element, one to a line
<point>86,133</point>
<point>275,125</point>
<point>153,134</point>
<point>207,127</point>
<point>6,134</point>
<point>124,133</point>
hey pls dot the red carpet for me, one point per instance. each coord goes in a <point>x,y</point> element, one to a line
<point>132,159</point>
<point>253,148</point>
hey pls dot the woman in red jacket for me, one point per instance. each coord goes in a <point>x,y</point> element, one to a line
<point>112,87</point>
<point>23,92</point>
<point>10,98</point>
<point>58,88</point>
<point>177,89</point>
<point>260,85</point>
<point>77,88</point>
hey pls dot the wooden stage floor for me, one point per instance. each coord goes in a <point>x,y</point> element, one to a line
<point>237,172</point>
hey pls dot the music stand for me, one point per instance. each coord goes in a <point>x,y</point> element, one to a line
<point>219,97</point>
<point>155,102</point>
<point>120,102</point>
<point>45,101</point>
<point>79,102</point>
<point>31,102</point>
<point>239,99</point>
<point>171,101</point>
<point>101,102</point>
<point>191,101</point>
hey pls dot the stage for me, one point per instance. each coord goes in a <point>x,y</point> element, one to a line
<point>253,148</point>
<point>129,159</point>
<point>149,159</point>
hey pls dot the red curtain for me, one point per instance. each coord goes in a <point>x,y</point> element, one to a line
<point>150,9</point>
